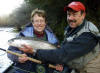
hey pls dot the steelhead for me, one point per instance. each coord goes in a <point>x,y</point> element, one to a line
<point>33,42</point>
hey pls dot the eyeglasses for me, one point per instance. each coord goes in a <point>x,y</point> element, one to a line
<point>39,21</point>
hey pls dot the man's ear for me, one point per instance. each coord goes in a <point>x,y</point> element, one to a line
<point>84,14</point>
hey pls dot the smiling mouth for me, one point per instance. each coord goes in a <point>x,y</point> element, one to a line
<point>71,22</point>
<point>40,26</point>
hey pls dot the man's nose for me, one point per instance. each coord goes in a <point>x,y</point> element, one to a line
<point>70,17</point>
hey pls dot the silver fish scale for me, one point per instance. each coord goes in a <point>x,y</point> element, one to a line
<point>34,43</point>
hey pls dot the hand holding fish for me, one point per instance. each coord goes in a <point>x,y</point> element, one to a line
<point>27,49</point>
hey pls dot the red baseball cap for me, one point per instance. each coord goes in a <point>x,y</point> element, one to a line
<point>76,6</point>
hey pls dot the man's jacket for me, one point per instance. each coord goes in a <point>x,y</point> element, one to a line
<point>77,43</point>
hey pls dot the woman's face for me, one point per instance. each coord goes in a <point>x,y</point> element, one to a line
<point>39,23</point>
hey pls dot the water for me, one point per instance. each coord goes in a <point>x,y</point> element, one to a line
<point>5,35</point>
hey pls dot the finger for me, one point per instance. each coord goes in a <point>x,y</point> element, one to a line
<point>20,59</point>
<point>23,59</point>
<point>27,46</point>
<point>23,49</point>
<point>24,55</point>
<point>59,68</point>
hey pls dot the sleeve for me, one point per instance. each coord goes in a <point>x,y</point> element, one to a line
<point>12,57</point>
<point>56,41</point>
<point>70,50</point>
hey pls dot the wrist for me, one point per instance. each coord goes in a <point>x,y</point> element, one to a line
<point>34,52</point>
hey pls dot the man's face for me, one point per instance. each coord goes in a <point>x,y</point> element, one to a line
<point>39,23</point>
<point>75,18</point>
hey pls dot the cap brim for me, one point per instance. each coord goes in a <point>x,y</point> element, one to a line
<point>72,7</point>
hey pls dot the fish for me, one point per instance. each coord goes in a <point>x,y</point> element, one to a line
<point>32,42</point>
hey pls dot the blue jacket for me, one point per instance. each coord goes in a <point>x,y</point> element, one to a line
<point>28,32</point>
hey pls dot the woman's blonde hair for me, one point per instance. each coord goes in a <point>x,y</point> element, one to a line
<point>39,12</point>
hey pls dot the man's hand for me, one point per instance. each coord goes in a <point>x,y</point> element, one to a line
<point>27,49</point>
<point>59,67</point>
<point>23,59</point>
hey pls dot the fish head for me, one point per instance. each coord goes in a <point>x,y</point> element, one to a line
<point>11,40</point>
<point>14,42</point>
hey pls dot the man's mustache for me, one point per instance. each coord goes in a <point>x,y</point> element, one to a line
<point>71,20</point>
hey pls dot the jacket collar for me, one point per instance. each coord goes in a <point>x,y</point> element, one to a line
<point>71,31</point>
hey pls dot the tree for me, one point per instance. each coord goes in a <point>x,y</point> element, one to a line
<point>21,15</point>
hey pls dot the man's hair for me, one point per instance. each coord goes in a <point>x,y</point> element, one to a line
<point>39,12</point>
<point>82,12</point>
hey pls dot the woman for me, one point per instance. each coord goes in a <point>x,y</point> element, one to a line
<point>36,29</point>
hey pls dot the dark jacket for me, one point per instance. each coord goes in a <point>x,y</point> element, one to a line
<point>75,48</point>
<point>29,32</point>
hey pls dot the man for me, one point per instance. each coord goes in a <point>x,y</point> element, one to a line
<point>80,46</point>
<point>36,29</point>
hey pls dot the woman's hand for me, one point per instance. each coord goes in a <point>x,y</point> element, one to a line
<point>23,58</point>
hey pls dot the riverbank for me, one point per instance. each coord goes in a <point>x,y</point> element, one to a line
<point>6,33</point>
